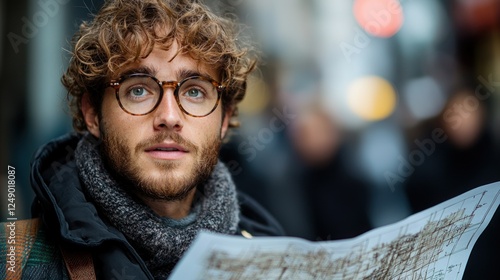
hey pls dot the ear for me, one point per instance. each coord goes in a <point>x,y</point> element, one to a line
<point>225,123</point>
<point>90,115</point>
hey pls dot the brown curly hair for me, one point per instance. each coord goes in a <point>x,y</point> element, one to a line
<point>125,31</point>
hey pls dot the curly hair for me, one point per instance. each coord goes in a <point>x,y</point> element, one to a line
<point>125,31</point>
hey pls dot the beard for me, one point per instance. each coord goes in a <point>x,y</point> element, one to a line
<point>121,161</point>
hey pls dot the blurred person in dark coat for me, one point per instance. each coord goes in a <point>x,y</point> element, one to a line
<point>338,199</point>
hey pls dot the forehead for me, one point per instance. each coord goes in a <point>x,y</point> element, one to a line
<point>172,64</point>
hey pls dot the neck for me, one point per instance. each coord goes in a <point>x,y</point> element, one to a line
<point>173,209</point>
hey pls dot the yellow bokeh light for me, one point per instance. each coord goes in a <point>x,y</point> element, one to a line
<point>256,98</point>
<point>371,98</point>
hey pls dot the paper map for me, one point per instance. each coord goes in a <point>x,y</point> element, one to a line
<point>432,244</point>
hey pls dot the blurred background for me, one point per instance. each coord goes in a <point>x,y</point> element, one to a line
<point>362,111</point>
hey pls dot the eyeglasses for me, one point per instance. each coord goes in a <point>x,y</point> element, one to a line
<point>140,94</point>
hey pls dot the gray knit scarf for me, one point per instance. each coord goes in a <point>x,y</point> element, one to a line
<point>161,242</point>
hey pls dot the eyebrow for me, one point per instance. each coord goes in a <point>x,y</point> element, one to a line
<point>140,69</point>
<point>180,74</point>
<point>186,73</point>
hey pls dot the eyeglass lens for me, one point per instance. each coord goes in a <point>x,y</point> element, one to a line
<point>140,95</point>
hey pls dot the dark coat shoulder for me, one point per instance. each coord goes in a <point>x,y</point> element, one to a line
<point>255,219</point>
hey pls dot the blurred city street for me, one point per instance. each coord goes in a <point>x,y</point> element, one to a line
<point>361,112</point>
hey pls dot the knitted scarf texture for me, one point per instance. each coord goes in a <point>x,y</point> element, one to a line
<point>160,241</point>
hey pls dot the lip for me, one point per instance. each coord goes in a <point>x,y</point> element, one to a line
<point>167,151</point>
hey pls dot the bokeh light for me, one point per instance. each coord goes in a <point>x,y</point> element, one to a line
<point>424,98</point>
<point>372,98</point>
<point>380,18</point>
<point>477,16</point>
<point>256,98</point>
<point>425,22</point>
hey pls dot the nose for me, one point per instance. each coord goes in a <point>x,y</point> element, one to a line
<point>168,115</point>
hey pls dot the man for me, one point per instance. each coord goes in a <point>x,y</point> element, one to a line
<point>153,87</point>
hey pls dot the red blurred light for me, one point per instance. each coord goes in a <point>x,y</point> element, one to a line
<point>381,18</point>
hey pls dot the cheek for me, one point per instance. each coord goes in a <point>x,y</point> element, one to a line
<point>215,124</point>
<point>118,123</point>
<point>225,125</point>
<point>112,113</point>
<point>205,130</point>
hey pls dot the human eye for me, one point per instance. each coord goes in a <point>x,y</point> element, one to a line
<point>138,89</point>
<point>138,92</point>
<point>194,94</point>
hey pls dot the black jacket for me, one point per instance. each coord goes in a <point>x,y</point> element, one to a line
<point>70,219</point>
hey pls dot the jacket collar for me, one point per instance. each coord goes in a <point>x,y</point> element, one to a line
<point>62,205</point>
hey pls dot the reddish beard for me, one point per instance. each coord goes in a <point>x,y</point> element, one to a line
<point>120,161</point>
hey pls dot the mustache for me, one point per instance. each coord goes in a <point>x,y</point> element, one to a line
<point>163,136</point>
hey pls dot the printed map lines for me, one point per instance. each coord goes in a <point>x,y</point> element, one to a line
<point>424,254</point>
